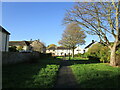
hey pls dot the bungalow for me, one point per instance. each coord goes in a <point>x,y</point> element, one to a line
<point>4,39</point>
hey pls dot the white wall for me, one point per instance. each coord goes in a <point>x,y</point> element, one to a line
<point>60,52</point>
<point>26,48</point>
<point>4,41</point>
<point>0,41</point>
<point>80,50</point>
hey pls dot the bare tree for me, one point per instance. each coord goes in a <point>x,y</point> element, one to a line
<point>72,36</point>
<point>101,19</point>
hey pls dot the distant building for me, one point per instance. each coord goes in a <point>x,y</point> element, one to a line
<point>4,39</point>
<point>38,46</point>
<point>24,44</point>
<point>29,46</point>
<point>89,45</point>
<point>62,51</point>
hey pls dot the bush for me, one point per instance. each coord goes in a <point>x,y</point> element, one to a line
<point>13,49</point>
<point>99,51</point>
<point>78,55</point>
<point>48,54</point>
<point>19,48</point>
<point>84,55</point>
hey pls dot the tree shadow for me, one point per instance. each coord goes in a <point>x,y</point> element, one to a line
<point>65,62</point>
<point>21,75</point>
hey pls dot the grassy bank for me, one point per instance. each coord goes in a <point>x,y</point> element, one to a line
<point>96,75</point>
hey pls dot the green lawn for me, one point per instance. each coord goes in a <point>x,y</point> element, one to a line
<point>37,75</point>
<point>75,58</point>
<point>96,75</point>
<point>43,74</point>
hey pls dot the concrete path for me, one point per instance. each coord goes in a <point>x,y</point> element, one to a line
<point>66,78</point>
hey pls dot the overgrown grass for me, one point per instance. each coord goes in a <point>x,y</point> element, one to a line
<point>27,75</point>
<point>96,75</point>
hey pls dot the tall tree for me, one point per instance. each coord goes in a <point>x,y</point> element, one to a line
<point>72,36</point>
<point>101,19</point>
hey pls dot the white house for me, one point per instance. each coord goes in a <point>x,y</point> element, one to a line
<point>4,39</point>
<point>61,51</point>
<point>78,50</point>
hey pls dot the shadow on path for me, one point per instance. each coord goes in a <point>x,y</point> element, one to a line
<point>66,78</point>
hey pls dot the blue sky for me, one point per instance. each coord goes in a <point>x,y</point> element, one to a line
<point>40,20</point>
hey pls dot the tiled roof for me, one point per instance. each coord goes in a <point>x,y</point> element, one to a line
<point>62,48</point>
<point>3,30</point>
<point>51,48</point>
<point>21,43</point>
<point>58,48</point>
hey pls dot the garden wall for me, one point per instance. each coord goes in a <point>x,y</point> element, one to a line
<point>16,57</point>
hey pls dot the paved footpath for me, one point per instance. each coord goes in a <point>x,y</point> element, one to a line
<point>66,78</point>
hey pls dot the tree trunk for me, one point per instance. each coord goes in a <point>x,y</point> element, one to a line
<point>113,56</point>
<point>72,52</point>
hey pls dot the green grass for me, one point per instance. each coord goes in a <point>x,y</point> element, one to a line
<point>26,75</point>
<point>75,58</point>
<point>43,74</point>
<point>96,75</point>
<point>46,77</point>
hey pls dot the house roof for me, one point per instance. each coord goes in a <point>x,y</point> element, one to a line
<point>89,45</point>
<point>37,42</point>
<point>3,30</point>
<point>51,48</point>
<point>58,48</point>
<point>62,48</point>
<point>21,43</point>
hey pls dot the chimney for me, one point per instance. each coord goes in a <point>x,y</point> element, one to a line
<point>39,40</point>
<point>93,41</point>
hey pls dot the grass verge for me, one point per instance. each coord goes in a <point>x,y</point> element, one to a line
<point>96,75</point>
